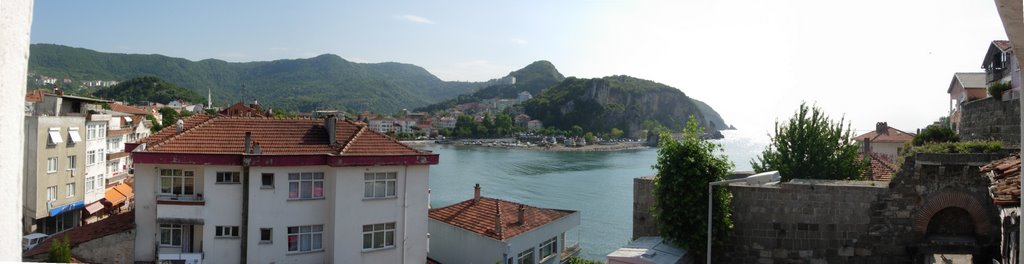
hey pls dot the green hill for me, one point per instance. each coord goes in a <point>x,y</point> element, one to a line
<point>621,102</point>
<point>533,78</point>
<point>323,82</point>
<point>151,89</point>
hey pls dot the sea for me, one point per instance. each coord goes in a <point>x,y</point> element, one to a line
<point>597,184</point>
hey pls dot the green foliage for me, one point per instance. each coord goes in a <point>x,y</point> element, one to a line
<point>322,82</point>
<point>169,116</point>
<point>579,260</point>
<point>590,138</point>
<point>533,78</point>
<point>935,134</point>
<point>616,133</point>
<point>970,146</point>
<point>156,125</point>
<point>60,250</point>
<point>996,89</point>
<point>685,167</point>
<point>150,89</point>
<point>811,146</point>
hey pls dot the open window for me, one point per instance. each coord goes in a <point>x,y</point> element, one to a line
<point>74,135</point>
<point>55,137</point>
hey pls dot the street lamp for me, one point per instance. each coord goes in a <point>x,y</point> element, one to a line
<point>756,179</point>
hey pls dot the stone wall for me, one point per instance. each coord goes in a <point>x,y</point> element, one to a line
<point>802,221</point>
<point>115,248</point>
<point>643,199</point>
<point>990,118</point>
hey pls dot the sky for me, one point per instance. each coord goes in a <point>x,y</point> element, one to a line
<point>753,61</point>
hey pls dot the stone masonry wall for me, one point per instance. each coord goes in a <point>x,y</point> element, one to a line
<point>115,248</point>
<point>643,198</point>
<point>990,118</point>
<point>803,221</point>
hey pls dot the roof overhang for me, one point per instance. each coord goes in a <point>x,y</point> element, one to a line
<point>281,160</point>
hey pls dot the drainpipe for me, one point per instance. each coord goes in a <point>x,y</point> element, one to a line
<point>245,198</point>
<point>405,207</point>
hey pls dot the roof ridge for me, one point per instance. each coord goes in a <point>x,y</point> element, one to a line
<point>352,140</point>
<point>185,130</point>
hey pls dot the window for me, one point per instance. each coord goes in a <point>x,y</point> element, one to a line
<point>73,135</point>
<point>71,162</point>
<point>379,185</point>
<point>526,257</point>
<point>90,132</point>
<point>378,236</point>
<point>90,158</point>
<point>548,247</point>
<point>101,155</point>
<point>90,182</point>
<point>170,235</point>
<point>265,235</point>
<point>228,176</point>
<point>71,189</point>
<point>267,180</point>
<point>305,238</point>
<point>51,164</point>
<point>51,193</point>
<point>101,130</point>
<point>306,185</point>
<point>226,231</point>
<point>177,182</point>
<point>55,137</point>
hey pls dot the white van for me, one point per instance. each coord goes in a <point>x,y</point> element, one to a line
<point>32,240</point>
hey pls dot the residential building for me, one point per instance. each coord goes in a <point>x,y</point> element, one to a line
<point>488,230</point>
<point>240,109</point>
<point>137,121</point>
<point>55,160</point>
<point>445,122</point>
<point>522,120</point>
<point>965,87</point>
<point>117,162</point>
<point>650,250</point>
<point>884,140</point>
<point>95,155</point>
<point>524,96</point>
<point>231,189</point>
<point>383,124</point>
<point>534,125</point>
<point>1001,66</point>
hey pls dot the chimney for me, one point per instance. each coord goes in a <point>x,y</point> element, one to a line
<point>179,126</point>
<point>521,214</point>
<point>476,192</point>
<point>497,218</point>
<point>256,148</point>
<point>248,139</point>
<point>882,128</point>
<point>331,124</point>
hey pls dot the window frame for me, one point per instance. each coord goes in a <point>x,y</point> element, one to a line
<point>310,232</point>
<point>183,177</point>
<point>551,245</point>
<point>171,228</point>
<point>388,183</point>
<point>385,230</point>
<point>90,157</point>
<point>228,177</point>
<point>70,190</point>
<point>72,160</point>
<point>51,193</point>
<point>269,233</point>
<point>226,232</point>
<point>263,181</point>
<point>52,165</point>
<point>297,181</point>
<point>520,258</point>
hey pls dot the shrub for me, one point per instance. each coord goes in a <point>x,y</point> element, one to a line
<point>996,89</point>
<point>811,146</point>
<point>60,251</point>
<point>935,134</point>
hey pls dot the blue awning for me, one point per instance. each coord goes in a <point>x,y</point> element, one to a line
<point>67,208</point>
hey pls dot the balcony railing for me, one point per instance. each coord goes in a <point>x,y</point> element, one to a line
<point>185,258</point>
<point>571,250</point>
<point>181,199</point>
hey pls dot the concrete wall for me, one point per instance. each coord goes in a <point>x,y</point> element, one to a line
<point>450,244</point>
<point>644,223</point>
<point>16,18</point>
<point>990,118</point>
<point>815,221</point>
<point>114,248</point>
<point>37,179</point>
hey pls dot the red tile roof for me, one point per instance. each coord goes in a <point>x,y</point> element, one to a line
<point>890,135</point>
<point>116,107</point>
<point>276,136</point>
<point>881,168</point>
<point>1005,177</point>
<point>240,109</point>
<point>1002,44</point>
<point>478,216</point>
<point>111,225</point>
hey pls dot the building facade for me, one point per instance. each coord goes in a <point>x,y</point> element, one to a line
<point>95,156</point>
<point>263,190</point>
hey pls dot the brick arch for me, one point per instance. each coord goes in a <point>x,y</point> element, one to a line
<point>946,199</point>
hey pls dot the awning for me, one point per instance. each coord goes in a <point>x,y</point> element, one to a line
<point>55,137</point>
<point>125,190</point>
<point>66,208</point>
<point>128,119</point>
<point>114,196</point>
<point>75,137</point>
<point>94,207</point>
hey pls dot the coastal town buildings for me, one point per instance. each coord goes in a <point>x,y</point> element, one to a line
<point>95,155</point>
<point>965,87</point>
<point>489,230</point>
<point>885,140</point>
<point>1001,66</point>
<point>55,166</point>
<point>231,189</point>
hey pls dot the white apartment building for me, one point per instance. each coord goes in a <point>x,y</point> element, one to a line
<point>95,156</point>
<point>264,190</point>
<point>383,125</point>
<point>119,132</point>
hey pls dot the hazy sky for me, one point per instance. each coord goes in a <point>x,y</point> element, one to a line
<point>752,60</point>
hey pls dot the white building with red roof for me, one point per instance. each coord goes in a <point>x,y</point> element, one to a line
<point>488,230</point>
<point>231,189</point>
<point>885,140</point>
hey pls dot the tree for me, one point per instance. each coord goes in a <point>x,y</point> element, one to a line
<point>60,251</point>
<point>169,116</point>
<point>811,146</point>
<point>935,134</point>
<point>155,125</point>
<point>616,133</point>
<point>577,130</point>
<point>590,138</point>
<point>684,169</point>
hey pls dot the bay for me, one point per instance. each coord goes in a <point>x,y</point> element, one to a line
<point>597,184</point>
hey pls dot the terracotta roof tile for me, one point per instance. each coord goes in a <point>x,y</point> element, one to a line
<point>881,168</point>
<point>303,136</point>
<point>1005,177</point>
<point>127,109</point>
<point>1002,44</point>
<point>891,135</point>
<point>111,225</point>
<point>478,216</point>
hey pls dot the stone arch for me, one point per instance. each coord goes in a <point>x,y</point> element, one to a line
<point>945,199</point>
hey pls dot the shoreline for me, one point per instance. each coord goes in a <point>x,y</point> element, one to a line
<point>619,146</point>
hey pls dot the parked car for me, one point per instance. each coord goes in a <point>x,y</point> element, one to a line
<point>32,240</point>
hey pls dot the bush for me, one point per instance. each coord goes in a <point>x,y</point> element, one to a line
<point>996,89</point>
<point>811,146</point>
<point>684,169</point>
<point>60,251</point>
<point>935,134</point>
<point>970,146</point>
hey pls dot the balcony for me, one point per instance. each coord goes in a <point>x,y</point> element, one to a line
<point>189,208</point>
<point>182,258</point>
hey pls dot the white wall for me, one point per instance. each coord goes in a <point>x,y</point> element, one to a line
<point>145,189</point>
<point>534,237</point>
<point>98,170</point>
<point>890,149</point>
<point>223,208</point>
<point>450,244</point>
<point>15,25</point>
<point>270,208</point>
